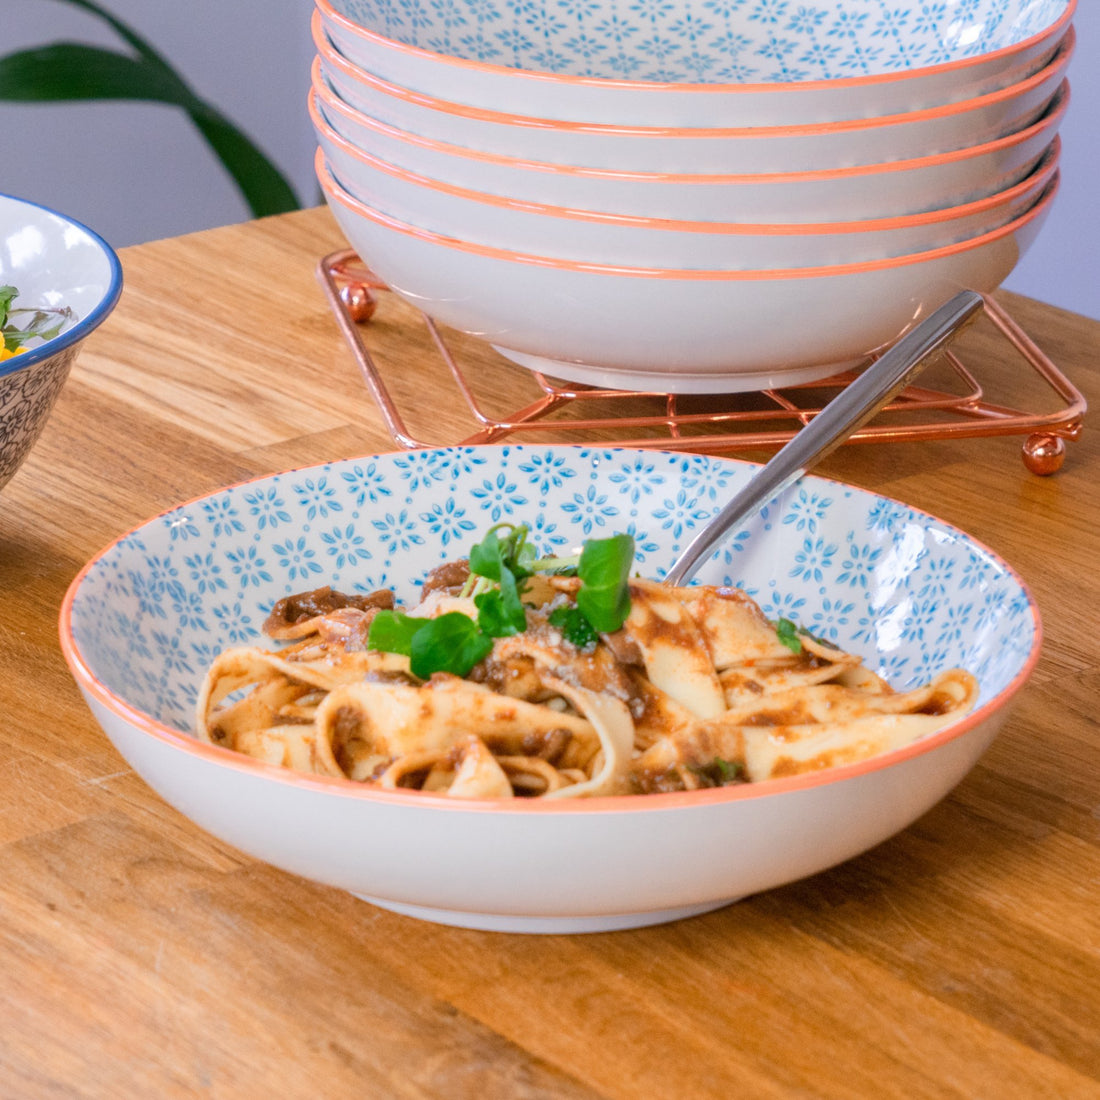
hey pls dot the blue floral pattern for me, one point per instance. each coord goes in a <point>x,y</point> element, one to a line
<point>908,592</point>
<point>707,41</point>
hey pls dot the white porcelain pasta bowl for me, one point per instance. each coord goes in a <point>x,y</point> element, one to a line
<point>912,595</point>
<point>718,145</point>
<point>611,237</point>
<point>685,62</point>
<point>675,330</point>
<point>885,190</point>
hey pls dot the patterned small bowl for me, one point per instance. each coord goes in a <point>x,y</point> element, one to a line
<point>690,62</point>
<point>910,593</point>
<point>54,262</point>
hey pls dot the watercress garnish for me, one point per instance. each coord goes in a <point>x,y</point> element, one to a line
<point>393,631</point>
<point>500,611</point>
<point>7,296</point>
<point>494,554</point>
<point>500,565</point>
<point>788,635</point>
<point>604,570</point>
<point>791,635</point>
<point>449,643</point>
<point>504,563</point>
<point>574,626</point>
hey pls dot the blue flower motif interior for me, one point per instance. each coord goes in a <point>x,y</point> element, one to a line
<point>708,41</point>
<point>908,592</point>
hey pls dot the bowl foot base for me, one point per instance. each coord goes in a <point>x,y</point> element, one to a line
<point>674,381</point>
<point>499,922</point>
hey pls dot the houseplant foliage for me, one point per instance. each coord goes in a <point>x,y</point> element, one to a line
<point>67,71</point>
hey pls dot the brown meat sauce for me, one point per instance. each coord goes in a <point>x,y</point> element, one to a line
<point>940,703</point>
<point>296,608</point>
<point>448,577</point>
<point>347,738</point>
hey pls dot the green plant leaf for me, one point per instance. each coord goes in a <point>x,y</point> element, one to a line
<point>125,32</point>
<point>263,186</point>
<point>68,71</point>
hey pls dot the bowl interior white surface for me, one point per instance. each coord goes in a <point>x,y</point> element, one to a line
<point>696,41</point>
<point>55,261</point>
<point>910,593</point>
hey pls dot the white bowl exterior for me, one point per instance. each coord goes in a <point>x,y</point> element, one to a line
<point>555,232</point>
<point>910,593</point>
<point>683,335</point>
<point>589,873</point>
<point>851,195</point>
<point>741,92</point>
<point>747,152</point>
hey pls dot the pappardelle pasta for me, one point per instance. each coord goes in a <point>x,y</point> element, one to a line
<point>519,676</point>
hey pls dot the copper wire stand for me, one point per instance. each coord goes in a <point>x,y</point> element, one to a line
<point>956,406</point>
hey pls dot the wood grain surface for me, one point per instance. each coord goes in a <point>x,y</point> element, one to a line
<point>142,958</point>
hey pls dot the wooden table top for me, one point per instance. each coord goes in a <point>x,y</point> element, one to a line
<point>142,958</point>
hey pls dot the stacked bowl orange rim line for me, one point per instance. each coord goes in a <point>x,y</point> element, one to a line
<point>750,228</point>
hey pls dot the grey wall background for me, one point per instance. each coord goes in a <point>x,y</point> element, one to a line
<point>139,172</point>
<point>135,172</point>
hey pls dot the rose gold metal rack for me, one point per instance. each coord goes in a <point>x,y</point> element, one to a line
<point>955,404</point>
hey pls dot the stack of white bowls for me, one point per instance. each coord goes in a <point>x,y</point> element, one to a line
<point>689,196</point>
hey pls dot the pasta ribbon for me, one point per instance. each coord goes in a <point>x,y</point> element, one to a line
<point>697,688</point>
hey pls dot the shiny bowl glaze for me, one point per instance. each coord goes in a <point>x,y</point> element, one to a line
<point>912,594</point>
<point>768,63</point>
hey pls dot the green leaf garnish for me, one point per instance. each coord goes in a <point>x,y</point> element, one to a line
<point>495,553</point>
<point>499,567</point>
<point>604,570</point>
<point>42,324</point>
<point>451,643</point>
<point>788,635</point>
<point>574,626</point>
<point>500,611</point>
<point>8,294</point>
<point>392,631</point>
<point>487,557</point>
<point>720,773</point>
<point>503,561</point>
